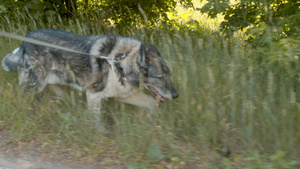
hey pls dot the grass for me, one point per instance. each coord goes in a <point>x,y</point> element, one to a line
<point>227,102</point>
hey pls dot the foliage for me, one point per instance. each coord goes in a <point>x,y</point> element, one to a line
<point>271,27</point>
<point>2,9</point>
<point>256,160</point>
<point>182,23</point>
<point>215,7</point>
<point>40,8</point>
<point>247,13</point>
<point>251,12</point>
<point>228,98</point>
<point>124,12</point>
<point>276,160</point>
<point>121,13</point>
<point>154,152</point>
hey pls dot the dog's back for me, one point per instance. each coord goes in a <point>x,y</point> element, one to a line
<point>62,38</point>
<point>52,36</point>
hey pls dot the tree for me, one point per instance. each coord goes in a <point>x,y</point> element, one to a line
<point>124,13</point>
<point>66,8</point>
<point>127,12</point>
<point>247,13</point>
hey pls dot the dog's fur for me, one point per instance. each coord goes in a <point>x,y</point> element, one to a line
<point>40,65</point>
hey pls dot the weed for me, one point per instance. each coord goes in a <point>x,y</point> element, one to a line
<point>226,100</point>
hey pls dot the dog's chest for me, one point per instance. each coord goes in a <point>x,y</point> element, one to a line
<point>117,88</point>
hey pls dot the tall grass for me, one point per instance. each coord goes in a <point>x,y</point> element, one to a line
<point>227,102</point>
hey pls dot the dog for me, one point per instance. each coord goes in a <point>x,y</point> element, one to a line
<point>105,66</point>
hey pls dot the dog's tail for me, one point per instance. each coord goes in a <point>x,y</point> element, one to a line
<point>12,60</point>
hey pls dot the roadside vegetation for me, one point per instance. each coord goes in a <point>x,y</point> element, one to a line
<point>235,65</point>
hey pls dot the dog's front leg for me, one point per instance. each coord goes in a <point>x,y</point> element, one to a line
<point>57,90</point>
<point>94,105</point>
<point>142,100</point>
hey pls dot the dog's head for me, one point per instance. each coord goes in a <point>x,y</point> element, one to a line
<point>155,73</point>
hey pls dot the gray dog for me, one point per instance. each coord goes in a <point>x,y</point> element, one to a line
<point>125,65</point>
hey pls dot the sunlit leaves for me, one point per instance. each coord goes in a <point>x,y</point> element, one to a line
<point>213,7</point>
<point>249,13</point>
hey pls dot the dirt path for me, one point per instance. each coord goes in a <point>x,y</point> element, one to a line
<point>31,159</point>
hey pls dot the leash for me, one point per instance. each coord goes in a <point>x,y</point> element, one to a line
<point>38,42</point>
<point>112,62</point>
<point>42,43</point>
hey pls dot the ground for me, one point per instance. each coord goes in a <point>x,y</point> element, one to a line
<point>14,157</point>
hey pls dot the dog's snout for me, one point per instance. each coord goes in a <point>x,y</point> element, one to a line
<point>174,94</point>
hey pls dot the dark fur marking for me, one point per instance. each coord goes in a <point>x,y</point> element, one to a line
<point>133,78</point>
<point>101,63</point>
<point>119,57</point>
<point>32,81</point>
<point>108,45</point>
<point>121,72</point>
<point>141,59</point>
<point>104,68</point>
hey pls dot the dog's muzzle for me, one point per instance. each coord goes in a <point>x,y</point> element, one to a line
<point>157,94</point>
<point>161,98</point>
<point>174,94</point>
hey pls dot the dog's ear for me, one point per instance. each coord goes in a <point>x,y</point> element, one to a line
<point>153,50</point>
<point>142,58</point>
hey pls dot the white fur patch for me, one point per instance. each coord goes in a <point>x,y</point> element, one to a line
<point>76,86</point>
<point>4,65</point>
<point>16,50</point>
<point>10,58</point>
<point>53,79</point>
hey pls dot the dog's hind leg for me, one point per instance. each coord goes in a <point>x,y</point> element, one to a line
<point>23,78</point>
<point>33,79</point>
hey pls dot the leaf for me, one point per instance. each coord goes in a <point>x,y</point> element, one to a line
<point>206,7</point>
<point>185,15</point>
<point>36,2</point>
<point>65,116</point>
<point>135,165</point>
<point>154,152</point>
<point>172,15</point>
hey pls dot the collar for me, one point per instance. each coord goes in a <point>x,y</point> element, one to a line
<point>115,62</point>
<point>119,68</point>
